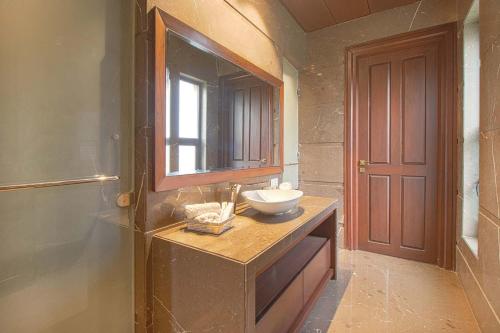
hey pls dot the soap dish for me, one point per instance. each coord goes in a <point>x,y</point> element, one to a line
<point>211,228</point>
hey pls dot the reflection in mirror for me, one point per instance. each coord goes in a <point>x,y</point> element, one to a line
<point>218,116</point>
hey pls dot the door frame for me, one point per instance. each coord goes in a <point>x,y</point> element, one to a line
<point>445,35</point>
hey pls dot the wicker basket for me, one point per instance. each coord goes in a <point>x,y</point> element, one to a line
<point>211,228</point>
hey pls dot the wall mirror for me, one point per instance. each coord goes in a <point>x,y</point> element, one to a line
<point>217,116</point>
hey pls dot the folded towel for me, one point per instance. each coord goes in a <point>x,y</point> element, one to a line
<point>286,186</point>
<point>208,218</point>
<point>192,211</point>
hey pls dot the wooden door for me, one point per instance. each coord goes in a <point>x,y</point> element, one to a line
<point>246,110</point>
<point>398,138</point>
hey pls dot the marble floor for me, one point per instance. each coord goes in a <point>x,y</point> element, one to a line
<point>376,293</point>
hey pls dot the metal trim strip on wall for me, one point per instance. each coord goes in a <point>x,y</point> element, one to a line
<point>94,179</point>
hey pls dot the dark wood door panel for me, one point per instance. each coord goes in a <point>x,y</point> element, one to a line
<point>379,208</point>
<point>413,201</point>
<point>423,133</point>
<point>379,113</point>
<point>397,107</point>
<point>413,111</point>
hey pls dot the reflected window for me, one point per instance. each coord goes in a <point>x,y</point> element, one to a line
<point>184,140</point>
<point>187,159</point>
<point>189,109</point>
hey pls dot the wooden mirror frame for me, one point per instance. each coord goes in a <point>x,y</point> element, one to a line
<point>164,22</point>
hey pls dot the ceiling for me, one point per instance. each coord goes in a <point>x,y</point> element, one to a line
<point>317,14</point>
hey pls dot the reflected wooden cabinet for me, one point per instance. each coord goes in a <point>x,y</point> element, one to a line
<point>246,114</point>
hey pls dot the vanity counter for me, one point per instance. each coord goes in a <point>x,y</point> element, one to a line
<point>254,234</point>
<point>203,279</point>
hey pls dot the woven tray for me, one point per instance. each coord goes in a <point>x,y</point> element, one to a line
<point>211,228</point>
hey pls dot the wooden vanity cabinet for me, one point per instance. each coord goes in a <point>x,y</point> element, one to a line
<point>286,291</point>
<point>263,275</point>
<point>280,317</point>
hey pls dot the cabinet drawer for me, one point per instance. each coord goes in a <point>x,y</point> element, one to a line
<point>271,283</point>
<point>316,270</point>
<point>283,312</point>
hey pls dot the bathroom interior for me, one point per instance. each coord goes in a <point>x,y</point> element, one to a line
<point>211,166</point>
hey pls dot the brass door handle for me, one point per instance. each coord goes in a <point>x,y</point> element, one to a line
<point>362,166</point>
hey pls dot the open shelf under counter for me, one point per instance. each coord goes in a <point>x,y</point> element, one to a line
<point>243,279</point>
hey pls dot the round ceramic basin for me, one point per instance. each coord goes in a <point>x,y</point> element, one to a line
<point>273,202</point>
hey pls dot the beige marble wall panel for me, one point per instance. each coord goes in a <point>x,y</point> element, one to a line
<point>483,312</point>
<point>489,23</point>
<point>317,79</point>
<point>489,171</point>
<point>322,123</point>
<point>167,207</point>
<point>469,256</point>
<point>331,190</point>
<point>321,162</point>
<point>218,20</point>
<point>275,22</point>
<point>489,260</point>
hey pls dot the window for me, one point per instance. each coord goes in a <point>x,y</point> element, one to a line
<point>189,139</point>
<point>470,177</point>
<point>184,141</point>
<point>189,110</point>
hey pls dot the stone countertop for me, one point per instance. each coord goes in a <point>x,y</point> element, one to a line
<point>254,233</point>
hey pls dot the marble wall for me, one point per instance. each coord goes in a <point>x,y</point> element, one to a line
<point>480,275</point>
<point>321,102</point>
<point>236,24</point>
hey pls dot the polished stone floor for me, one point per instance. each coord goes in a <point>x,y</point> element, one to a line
<point>376,293</point>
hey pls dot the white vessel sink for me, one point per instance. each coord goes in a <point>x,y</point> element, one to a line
<point>273,201</point>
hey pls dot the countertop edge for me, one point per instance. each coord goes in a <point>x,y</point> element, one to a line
<point>320,216</point>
